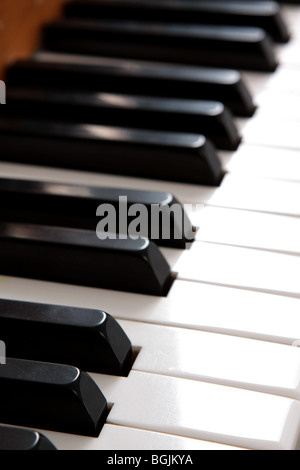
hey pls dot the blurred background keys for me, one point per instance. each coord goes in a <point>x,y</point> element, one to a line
<point>122,151</point>
<point>207,45</point>
<point>68,72</point>
<point>210,118</point>
<point>262,14</point>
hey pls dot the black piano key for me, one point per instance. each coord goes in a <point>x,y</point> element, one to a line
<point>137,78</point>
<point>265,14</point>
<point>18,439</point>
<point>216,46</point>
<point>210,118</point>
<point>50,396</point>
<point>74,206</point>
<point>88,339</point>
<point>80,258</point>
<point>169,156</point>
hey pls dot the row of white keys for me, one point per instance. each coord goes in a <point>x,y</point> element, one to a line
<point>263,373</point>
<point>286,382</point>
<point>274,144</point>
<point>247,229</point>
<point>200,410</point>
<point>259,161</point>
<point>120,438</point>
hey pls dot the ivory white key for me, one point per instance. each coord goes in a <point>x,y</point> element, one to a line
<point>188,305</point>
<point>240,267</point>
<point>125,438</point>
<point>284,79</point>
<point>247,229</point>
<point>271,132</point>
<point>282,104</point>
<point>269,162</point>
<point>222,359</point>
<point>202,410</point>
<point>289,55</point>
<point>253,193</point>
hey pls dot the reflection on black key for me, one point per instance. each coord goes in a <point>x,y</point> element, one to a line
<point>210,118</point>
<point>75,206</point>
<point>50,396</point>
<point>19,439</point>
<point>216,46</point>
<point>265,14</point>
<point>133,77</point>
<point>80,257</point>
<point>169,156</point>
<point>88,339</point>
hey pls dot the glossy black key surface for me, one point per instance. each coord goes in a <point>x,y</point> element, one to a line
<point>133,77</point>
<point>88,339</point>
<point>19,439</point>
<point>216,46</point>
<point>75,206</point>
<point>79,257</point>
<point>50,396</point>
<point>168,156</point>
<point>210,118</point>
<point>264,14</point>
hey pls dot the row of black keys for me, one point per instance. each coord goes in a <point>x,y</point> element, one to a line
<point>234,34</point>
<point>43,383</point>
<point>169,131</point>
<point>167,136</point>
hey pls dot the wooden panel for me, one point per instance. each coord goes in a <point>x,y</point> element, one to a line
<point>20,26</point>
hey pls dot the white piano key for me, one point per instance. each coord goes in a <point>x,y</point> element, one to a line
<point>271,132</point>
<point>256,194</point>
<point>285,106</point>
<point>289,53</point>
<point>268,162</point>
<point>222,359</point>
<point>241,267</point>
<point>285,79</point>
<point>124,438</point>
<point>202,410</point>
<point>190,305</point>
<point>247,229</point>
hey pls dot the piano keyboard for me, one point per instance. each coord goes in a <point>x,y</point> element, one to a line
<point>215,361</point>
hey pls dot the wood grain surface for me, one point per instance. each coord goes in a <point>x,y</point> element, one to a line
<point>20,27</point>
